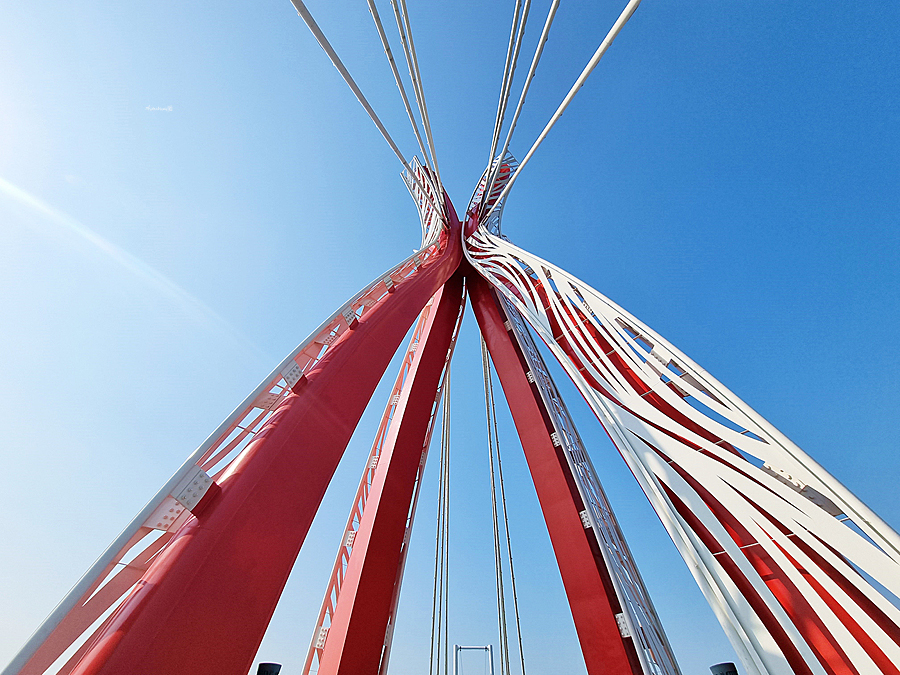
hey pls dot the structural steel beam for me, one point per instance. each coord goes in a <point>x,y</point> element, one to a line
<point>204,604</point>
<point>589,588</point>
<point>799,571</point>
<point>357,634</point>
<point>61,640</point>
<point>373,466</point>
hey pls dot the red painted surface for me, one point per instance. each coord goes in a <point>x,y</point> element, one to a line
<point>810,625</point>
<point>204,604</point>
<point>588,587</point>
<point>356,636</point>
<point>817,635</point>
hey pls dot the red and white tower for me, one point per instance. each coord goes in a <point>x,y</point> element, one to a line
<point>795,567</point>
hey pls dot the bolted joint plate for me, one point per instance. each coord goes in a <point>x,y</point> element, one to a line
<point>169,515</point>
<point>190,489</point>
<point>292,374</point>
<point>623,625</point>
<point>320,638</point>
<point>585,519</point>
<point>349,316</point>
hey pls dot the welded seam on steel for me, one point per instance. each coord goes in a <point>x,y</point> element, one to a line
<point>783,552</point>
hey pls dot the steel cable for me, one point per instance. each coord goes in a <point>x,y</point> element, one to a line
<point>494,442</point>
<point>538,52</point>
<point>390,56</point>
<point>401,14</point>
<point>342,69</point>
<point>509,70</point>
<point>439,607</point>
<point>579,83</point>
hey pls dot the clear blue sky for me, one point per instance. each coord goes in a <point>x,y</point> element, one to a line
<point>729,174</point>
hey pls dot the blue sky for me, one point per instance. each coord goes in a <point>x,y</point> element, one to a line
<point>729,174</point>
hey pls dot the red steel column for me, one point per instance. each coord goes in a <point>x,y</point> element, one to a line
<point>204,604</point>
<point>589,589</point>
<point>357,632</point>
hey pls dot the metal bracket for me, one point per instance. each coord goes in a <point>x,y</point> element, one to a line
<point>266,400</point>
<point>320,638</point>
<point>623,625</point>
<point>349,316</point>
<point>292,374</point>
<point>585,519</point>
<point>167,515</point>
<point>192,487</point>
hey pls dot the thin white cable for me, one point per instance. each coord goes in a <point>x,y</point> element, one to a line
<point>512,71</point>
<point>503,83</point>
<point>531,71</point>
<point>512,571</point>
<point>437,607</point>
<point>498,558</point>
<point>387,50</point>
<point>446,523</point>
<point>336,61</point>
<point>426,121</point>
<point>595,59</point>
<point>417,88</point>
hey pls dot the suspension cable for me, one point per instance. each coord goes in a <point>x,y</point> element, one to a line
<point>387,50</point>
<point>509,69</point>
<point>494,441</point>
<point>446,426</point>
<point>498,560</point>
<point>336,61</point>
<point>426,120</point>
<point>512,571</point>
<point>509,50</point>
<point>401,14</point>
<point>595,59</point>
<point>440,601</point>
<point>531,71</point>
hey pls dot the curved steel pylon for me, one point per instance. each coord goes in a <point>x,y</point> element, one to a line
<point>303,414</point>
<point>791,562</point>
<point>788,558</point>
<point>785,555</point>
